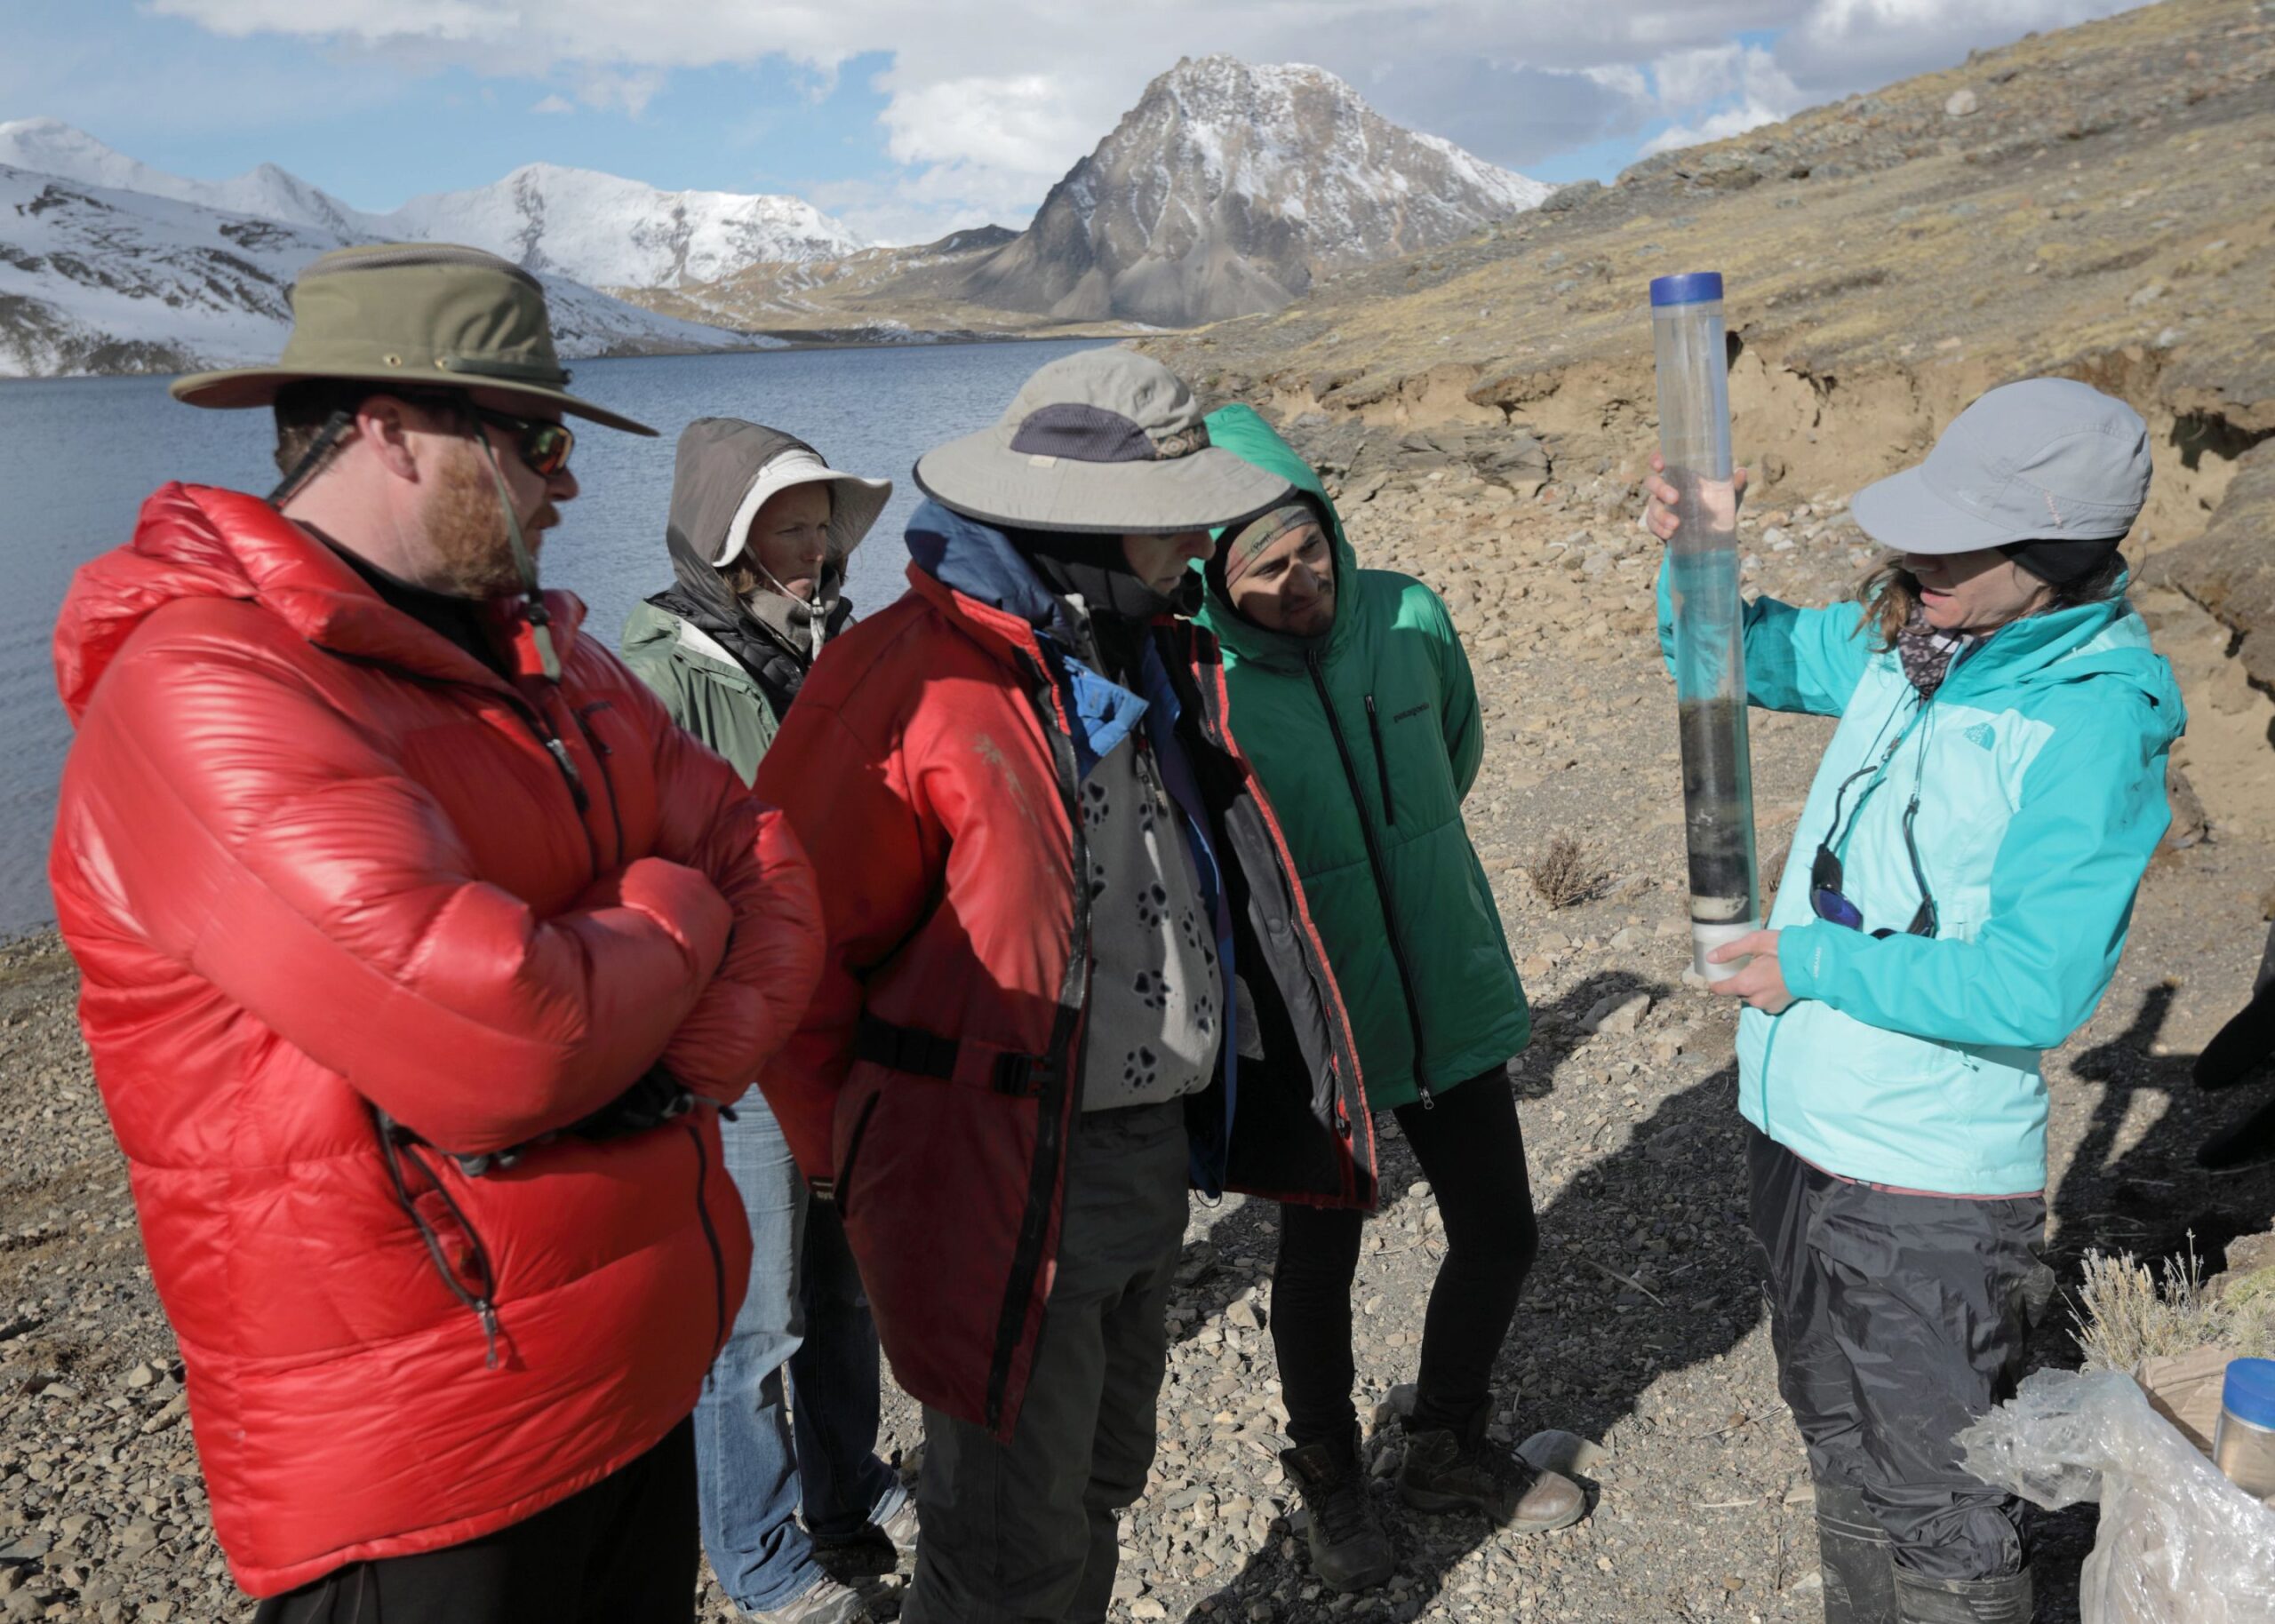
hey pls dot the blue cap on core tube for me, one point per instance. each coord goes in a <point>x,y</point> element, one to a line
<point>1691,288</point>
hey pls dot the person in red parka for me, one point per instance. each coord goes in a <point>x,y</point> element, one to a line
<point>418,949</point>
<point>1070,970</point>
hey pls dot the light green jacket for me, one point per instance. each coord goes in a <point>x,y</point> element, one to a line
<point>705,688</point>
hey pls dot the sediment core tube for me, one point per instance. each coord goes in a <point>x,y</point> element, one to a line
<point>1709,634</point>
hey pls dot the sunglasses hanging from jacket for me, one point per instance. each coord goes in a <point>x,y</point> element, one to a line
<point>1827,901</point>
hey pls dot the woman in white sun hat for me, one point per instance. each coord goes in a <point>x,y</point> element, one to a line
<point>1959,892</point>
<point>761,529</point>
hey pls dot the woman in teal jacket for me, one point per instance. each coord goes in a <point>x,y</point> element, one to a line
<point>1357,709</point>
<point>1958,894</point>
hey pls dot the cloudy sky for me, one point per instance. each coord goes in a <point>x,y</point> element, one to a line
<point>909,118</point>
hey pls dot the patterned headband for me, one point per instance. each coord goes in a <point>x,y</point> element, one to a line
<point>1249,543</point>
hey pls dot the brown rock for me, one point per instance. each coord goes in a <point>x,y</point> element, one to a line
<point>2230,569</point>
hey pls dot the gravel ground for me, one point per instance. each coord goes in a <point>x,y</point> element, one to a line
<point>1642,1330</point>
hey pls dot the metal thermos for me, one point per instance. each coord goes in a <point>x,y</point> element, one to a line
<point>2243,1445</point>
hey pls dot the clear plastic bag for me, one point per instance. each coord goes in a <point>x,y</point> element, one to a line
<point>2179,1544</point>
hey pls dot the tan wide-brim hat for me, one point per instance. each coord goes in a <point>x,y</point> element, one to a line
<point>417,316</point>
<point>1104,441</point>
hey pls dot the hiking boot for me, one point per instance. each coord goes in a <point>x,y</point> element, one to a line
<point>1855,1557</point>
<point>874,1552</point>
<point>1445,1470</point>
<point>1349,1550</point>
<point>823,1601</point>
<point>900,1527</point>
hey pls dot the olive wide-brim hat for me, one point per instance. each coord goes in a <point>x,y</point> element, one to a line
<point>1105,441</point>
<point>415,315</point>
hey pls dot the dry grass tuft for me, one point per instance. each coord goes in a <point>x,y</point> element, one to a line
<point>2123,1317</point>
<point>1566,874</point>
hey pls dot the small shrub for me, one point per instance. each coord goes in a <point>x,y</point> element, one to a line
<point>1567,872</point>
<point>2124,1318</point>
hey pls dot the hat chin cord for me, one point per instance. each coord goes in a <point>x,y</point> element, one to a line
<point>524,564</point>
<point>319,447</point>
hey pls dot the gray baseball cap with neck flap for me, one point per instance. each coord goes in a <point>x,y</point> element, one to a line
<point>2045,460</point>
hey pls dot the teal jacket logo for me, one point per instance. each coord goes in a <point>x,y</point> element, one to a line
<point>1982,733</point>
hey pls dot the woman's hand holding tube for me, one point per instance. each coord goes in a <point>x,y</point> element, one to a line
<point>1658,512</point>
<point>1761,984</point>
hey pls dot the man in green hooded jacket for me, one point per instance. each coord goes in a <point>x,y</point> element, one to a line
<point>1361,717</point>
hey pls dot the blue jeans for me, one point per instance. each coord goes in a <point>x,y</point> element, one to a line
<point>804,1309</point>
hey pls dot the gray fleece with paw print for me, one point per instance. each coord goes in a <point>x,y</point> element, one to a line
<point>1156,990</point>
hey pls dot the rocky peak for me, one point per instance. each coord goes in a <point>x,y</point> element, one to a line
<point>1229,189</point>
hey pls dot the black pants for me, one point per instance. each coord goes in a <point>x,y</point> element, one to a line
<point>1473,1153</point>
<point>1028,1532</point>
<point>621,1552</point>
<point>1898,1320</point>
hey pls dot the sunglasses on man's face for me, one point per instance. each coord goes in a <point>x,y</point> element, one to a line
<point>543,447</point>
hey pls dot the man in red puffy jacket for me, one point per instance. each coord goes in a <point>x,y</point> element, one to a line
<point>418,949</point>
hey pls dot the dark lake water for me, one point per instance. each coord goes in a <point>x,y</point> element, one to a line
<point>78,455</point>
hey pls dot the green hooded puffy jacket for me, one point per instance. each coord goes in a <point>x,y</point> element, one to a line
<point>1367,740</point>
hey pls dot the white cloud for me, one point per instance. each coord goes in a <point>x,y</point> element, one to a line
<point>619,90</point>
<point>1841,46</point>
<point>1691,83</point>
<point>1023,124</point>
<point>1718,127</point>
<point>555,104</point>
<point>370,20</point>
<point>989,102</point>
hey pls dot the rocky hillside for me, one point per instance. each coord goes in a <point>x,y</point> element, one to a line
<point>98,279</point>
<point>1228,190</point>
<point>2091,202</point>
<point>877,296</point>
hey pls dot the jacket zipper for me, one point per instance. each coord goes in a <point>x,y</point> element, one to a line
<point>395,1148</point>
<point>1381,763</point>
<point>1062,1064</point>
<point>594,743</point>
<point>540,729</point>
<point>710,1239</point>
<point>1382,877</point>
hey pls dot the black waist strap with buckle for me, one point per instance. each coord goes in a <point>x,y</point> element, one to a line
<point>950,1060</point>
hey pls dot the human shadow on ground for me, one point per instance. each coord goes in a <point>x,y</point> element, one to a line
<point>1666,1210</point>
<point>1237,1252</point>
<point>1646,1267</point>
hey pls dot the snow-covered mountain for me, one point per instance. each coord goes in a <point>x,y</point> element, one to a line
<point>600,229</point>
<point>615,233</point>
<point>98,278</point>
<point>50,146</point>
<point>1229,189</point>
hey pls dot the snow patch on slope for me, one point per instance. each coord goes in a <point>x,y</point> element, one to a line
<point>98,278</point>
<point>597,228</point>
